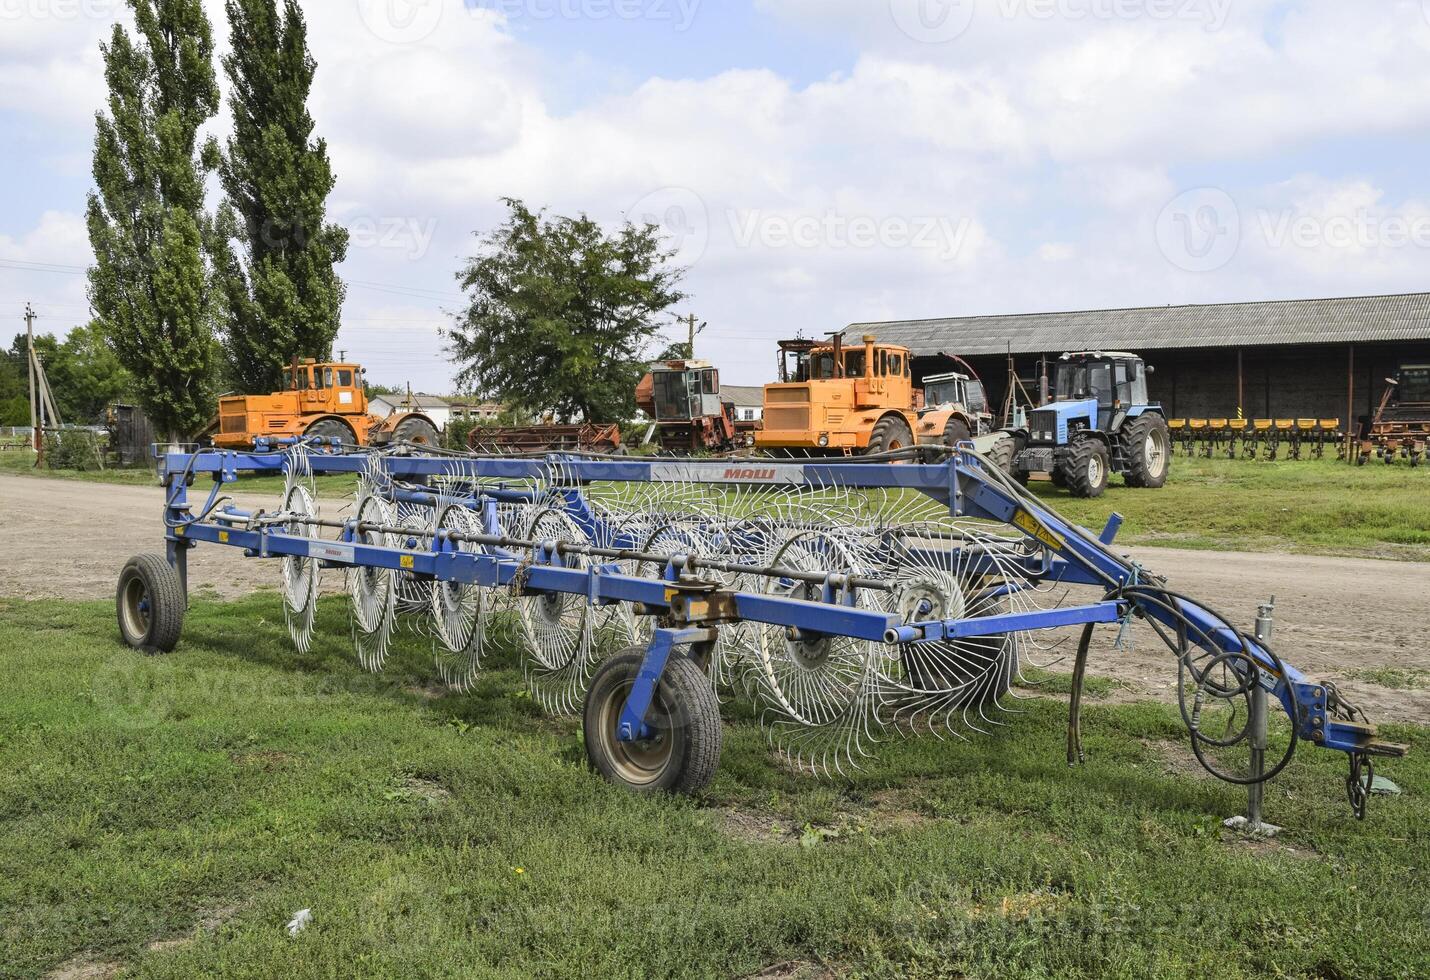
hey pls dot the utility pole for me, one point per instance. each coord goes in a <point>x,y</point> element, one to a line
<point>35,437</point>
<point>689,321</point>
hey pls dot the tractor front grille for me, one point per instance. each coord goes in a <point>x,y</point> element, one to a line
<point>1043,427</point>
<point>790,394</point>
<point>784,417</point>
<point>232,423</point>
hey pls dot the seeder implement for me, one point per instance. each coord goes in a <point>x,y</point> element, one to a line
<point>850,601</point>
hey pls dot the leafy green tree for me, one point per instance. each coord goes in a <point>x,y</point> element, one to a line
<point>273,253</point>
<point>85,375</point>
<point>562,314</point>
<point>14,387</point>
<point>150,287</point>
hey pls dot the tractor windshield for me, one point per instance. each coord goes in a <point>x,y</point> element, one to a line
<point>1077,380</point>
<point>942,393</point>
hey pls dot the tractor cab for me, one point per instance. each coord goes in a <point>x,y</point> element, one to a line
<point>333,388</point>
<point>948,390</point>
<point>1091,388</point>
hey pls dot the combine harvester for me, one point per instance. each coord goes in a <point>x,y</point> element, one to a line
<point>852,601</point>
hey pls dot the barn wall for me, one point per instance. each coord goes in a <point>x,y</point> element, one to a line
<point>1277,382</point>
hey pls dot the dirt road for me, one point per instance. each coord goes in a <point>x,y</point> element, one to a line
<point>1335,617</point>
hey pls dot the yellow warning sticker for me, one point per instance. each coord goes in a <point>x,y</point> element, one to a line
<point>1030,525</point>
<point>223,537</point>
<point>405,561</point>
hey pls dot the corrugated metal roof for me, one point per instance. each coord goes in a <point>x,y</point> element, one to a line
<point>744,396</point>
<point>1352,319</point>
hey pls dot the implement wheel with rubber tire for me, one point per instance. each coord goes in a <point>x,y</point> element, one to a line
<point>150,604</point>
<point>956,431</point>
<point>684,750</point>
<point>1085,468</point>
<point>416,430</point>
<point>1149,451</point>
<point>890,433</point>
<point>332,429</point>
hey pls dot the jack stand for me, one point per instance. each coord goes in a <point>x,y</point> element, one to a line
<point>1256,792</point>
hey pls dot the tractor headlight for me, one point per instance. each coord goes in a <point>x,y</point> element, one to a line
<point>823,440</point>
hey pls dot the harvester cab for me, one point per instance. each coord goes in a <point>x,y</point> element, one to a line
<point>684,400</point>
<point>1098,422</point>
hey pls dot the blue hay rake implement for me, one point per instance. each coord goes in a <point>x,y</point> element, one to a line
<point>850,601</point>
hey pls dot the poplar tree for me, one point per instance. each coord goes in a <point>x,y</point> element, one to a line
<point>149,286</point>
<point>273,253</point>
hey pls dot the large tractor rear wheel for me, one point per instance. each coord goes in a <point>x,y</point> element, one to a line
<point>890,433</point>
<point>1149,451</point>
<point>956,431</point>
<point>1085,468</point>
<point>332,429</point>
<point>416,429</point>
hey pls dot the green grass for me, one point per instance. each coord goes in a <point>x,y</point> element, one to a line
<point>1313,506</point>
<point>197,800</point>
<point>1402,678</point>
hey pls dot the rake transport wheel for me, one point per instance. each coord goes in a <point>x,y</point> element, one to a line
<point>890,433</point>
<point>1149,451</point>
<point>684,751</point>
<point>150,604</point>
<point>1085,468</point>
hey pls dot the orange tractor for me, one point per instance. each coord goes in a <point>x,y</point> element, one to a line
<point>853,400</point>
<point>323,400</point>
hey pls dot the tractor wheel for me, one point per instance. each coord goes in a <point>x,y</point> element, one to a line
<point>150,604</point>
<point>956,431</point>
<point>684,750</point>
<point>890,433</point>
<point>1085,468</point>
<point>1148,451</point>
<point>416,430</point>
<point>1059,478</point>
<point>1001,453</point>
<point>332,429</point>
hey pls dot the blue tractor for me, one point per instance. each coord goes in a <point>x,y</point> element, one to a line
<point>1098,422</point>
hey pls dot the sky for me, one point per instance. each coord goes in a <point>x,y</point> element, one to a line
<point>813,162</point>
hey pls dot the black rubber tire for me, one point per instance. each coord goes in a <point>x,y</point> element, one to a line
<point>684,710</point>
<point>1058,477</point>
<point>956,431</point>
<point>890,432</point>
<point>416,430</point>
<point>1137,434</point>
<point>1078,468</point>
<point>1002,451</point>
<point>150,604</point>
<point>332,429</point>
